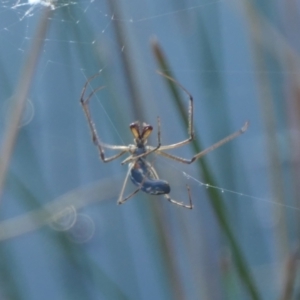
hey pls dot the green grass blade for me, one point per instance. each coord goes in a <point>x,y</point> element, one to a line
<point>216,199</point>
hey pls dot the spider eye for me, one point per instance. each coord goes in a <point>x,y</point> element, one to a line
<point>134,127</point>
<point>147,129</point>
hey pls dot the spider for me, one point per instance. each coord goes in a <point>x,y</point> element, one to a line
<point>141,172</point>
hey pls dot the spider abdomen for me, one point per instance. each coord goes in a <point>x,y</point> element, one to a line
<point>143,177</point>
<point>156,187</point>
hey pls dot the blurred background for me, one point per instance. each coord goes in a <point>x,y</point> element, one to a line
<point>62,236</point>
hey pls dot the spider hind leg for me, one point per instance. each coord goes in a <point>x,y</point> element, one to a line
<point>190,206</point>
<point>155,178</point>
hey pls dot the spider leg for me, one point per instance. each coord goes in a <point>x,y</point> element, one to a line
<point>190,206</point>
<point>205,151</point>
<point>120,199</point>
<point>190,116</point>
<point>191,130</point>
<point>85,102</point>
<point>128,197</point>
<point>167,196</point>
<point>176,145</point>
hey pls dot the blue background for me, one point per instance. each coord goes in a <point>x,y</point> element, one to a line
<point>62,234</point>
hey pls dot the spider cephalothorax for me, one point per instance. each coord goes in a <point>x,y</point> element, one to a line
<point>140,170</point>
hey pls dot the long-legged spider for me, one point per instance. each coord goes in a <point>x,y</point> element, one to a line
<point>140,171</point>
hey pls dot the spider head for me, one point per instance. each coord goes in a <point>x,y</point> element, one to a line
<point>140,132</point>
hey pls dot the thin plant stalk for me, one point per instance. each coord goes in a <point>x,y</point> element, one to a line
<point>20,96</point>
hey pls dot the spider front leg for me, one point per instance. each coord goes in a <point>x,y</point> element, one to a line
<point>85,105</point>
<point>191,132</point>
<point>205,151</point>
<point>190,116</point>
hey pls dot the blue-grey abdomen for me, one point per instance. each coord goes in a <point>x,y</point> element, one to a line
<point>156,187</point>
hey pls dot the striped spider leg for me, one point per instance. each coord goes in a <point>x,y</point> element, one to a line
<point>140,171</point>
